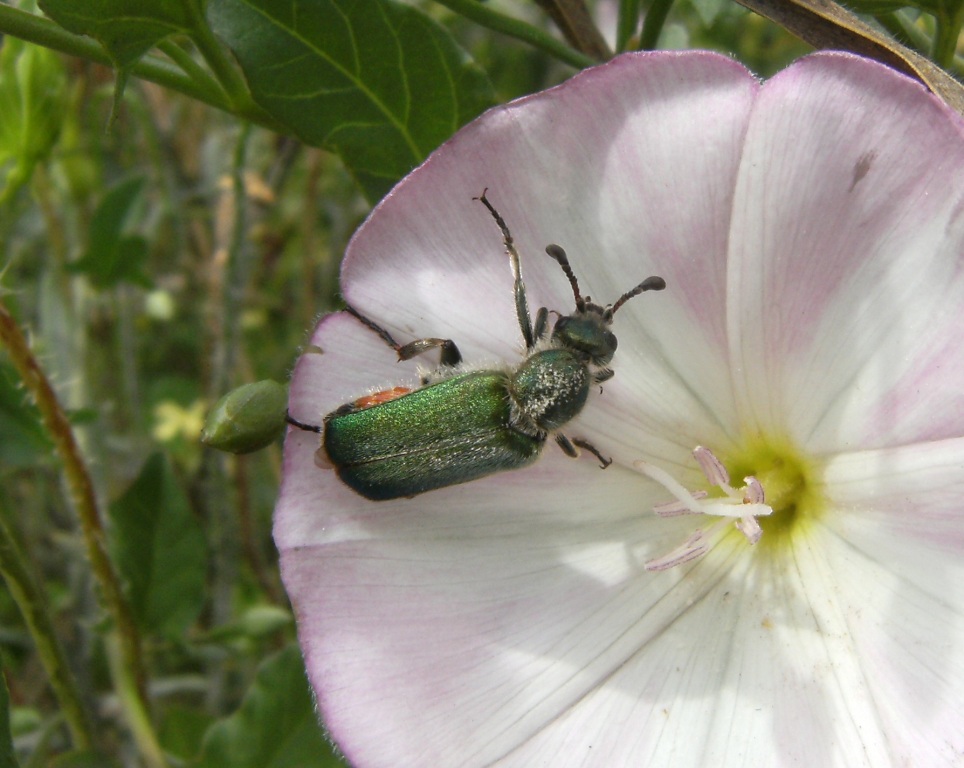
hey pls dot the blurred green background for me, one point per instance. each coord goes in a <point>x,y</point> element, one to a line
<point>167,241</point>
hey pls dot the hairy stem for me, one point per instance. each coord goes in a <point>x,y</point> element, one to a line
<point>32,603</point>
<point>84,502</point>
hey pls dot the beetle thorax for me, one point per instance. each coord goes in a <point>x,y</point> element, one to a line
<point>548,390</point>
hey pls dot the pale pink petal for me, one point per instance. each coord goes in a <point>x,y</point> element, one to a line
<point>465,647</point>
<point>630,167</point>
<point>846,285</point>
<point>897,563</point>
<point>757,671</point>
<point>903,507</point>
<point>511,621</point>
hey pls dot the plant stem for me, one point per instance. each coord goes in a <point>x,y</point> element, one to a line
<point>217,59</point>
<point>133,703</point>
<point>626,23</point>
<point>653,24</point>
<point>32,603</point>
<point>37,29</point>
<point>907,33</point>
<point>947,34</point>
<point>84,502</point>
<point>188,65</point>
<point>574,20</point>
<point>484,16</point>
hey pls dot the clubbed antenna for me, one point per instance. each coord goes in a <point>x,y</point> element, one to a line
<point>557,252</point>
<point>653,283</point>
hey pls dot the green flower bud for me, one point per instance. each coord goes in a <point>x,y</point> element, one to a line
<point>248,418</point>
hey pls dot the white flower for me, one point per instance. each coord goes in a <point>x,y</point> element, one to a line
<point>811,234</point>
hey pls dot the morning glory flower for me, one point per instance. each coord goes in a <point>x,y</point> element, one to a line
<point>771,572</point>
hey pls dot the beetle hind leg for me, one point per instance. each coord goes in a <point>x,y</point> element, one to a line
<point>301,425</point>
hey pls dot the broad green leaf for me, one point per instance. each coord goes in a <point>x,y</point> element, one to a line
<point>275,726</point>
<point>32,103</point>
<point>182,728</point>
<point>377,82</point>
<point>159,548</point>
<point>126,28</point>
<point>111,256</point>
<point>7,757</point>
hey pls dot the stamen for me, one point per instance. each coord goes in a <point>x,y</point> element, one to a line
<point>676,508</point>
<point>745,504</point>
<point>712,467</point>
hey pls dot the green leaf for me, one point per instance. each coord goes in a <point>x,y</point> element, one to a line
<point>111,256</point>
<point>126,28</point>
<point>32,103</point>
<point>182,728</point>
<point>159,548</point>
<point>7,757</point>
<point>377,82</point>
<point>275,726</point>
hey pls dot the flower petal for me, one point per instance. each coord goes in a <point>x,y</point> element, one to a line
<point>846,283</point>
<point>511,621</point>
<point>629,166</point>
<point>902,507</point>
<point>459,647</point>
<point>898,566</point>
<point>754,672</point>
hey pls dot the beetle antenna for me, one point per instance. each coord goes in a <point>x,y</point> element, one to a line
<point>653,283</point>
<point>558,253</point>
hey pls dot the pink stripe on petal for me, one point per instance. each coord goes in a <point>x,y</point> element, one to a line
<point>838,239</point>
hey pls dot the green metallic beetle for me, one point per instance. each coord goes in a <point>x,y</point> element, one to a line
<point>462,425</point>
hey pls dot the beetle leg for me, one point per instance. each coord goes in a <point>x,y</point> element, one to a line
<point>571,449</point>
<point>603,374</point>
<point>301,425</point>
<point>585,444</point>
<point>449,355</point>
<point>372,325</point>
<point>567,447</point>
<point>542,324</point>
<point>519,289</point>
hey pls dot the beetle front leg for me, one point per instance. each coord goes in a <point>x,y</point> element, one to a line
<point>571,449</point>
<point>518,287</point>
<point>541,327</point>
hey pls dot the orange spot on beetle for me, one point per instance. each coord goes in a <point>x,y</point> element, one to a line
<point>377,398</point>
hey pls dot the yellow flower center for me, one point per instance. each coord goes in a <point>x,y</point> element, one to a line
<point>791,486</point>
